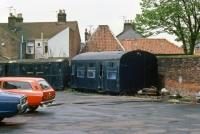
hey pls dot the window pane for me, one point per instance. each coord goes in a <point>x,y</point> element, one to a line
<point>44,84</point>
<point>91,72</point>
<point>111,64</point>
<point>46,49</point>
<point>17,85</point>
<point>80,72</point>
<point>111,75</point>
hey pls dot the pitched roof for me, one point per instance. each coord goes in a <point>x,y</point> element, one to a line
<point>156,46</point>
<point>33,30</point>
<point>129,33</point>
<point>103,40</point>
<point>10,42</point>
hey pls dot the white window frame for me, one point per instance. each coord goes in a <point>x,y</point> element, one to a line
<point>111,71</point>
<point>93,71</point>
<point>80,72</point>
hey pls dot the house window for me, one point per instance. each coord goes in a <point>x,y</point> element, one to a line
<point>91,72</point>
<point>38,44</point>
<point>46,49</point>
<point>80,72</point>
<point>111,74</point>
<point>30,48</point>
<point>73,70</point>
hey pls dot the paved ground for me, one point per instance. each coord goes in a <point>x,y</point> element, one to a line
<point>76,113</point>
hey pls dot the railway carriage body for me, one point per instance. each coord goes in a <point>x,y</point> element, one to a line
<point>114,71</point>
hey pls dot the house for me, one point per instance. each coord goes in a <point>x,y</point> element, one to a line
<point>102,40</point>
<point>132,40</point>
<point>39,39</point>
<point>129,39</point>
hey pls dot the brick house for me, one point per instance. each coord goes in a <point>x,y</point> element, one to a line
<point>40,39</point>
<point>102,40</point>
<point>131,40</point>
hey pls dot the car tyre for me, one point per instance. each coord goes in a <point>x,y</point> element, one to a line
<point>32,108</point>
<point>1,119</point>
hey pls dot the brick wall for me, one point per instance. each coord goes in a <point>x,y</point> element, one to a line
<point>180,74</point>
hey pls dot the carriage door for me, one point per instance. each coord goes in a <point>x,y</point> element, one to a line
<point>111,77</point>
<point>100,78</point>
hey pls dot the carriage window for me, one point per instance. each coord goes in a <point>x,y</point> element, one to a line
<point>111,64</point>
<point>111,74</point>
<point>80,72</point>
<point>91,72</point>
<point>73,69</point>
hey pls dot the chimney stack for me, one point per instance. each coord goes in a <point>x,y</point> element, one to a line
<point>19,18</point>
<point>11,22</point>
<point>87,35</point>
<point>62,16</point>
<point>128,25</point>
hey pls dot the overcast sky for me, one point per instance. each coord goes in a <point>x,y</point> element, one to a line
<point>88,13</point>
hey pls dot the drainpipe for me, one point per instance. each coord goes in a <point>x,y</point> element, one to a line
<point>21,43</point>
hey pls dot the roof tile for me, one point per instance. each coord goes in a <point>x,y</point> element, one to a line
<point>102,40</point>
<point>156,46</point>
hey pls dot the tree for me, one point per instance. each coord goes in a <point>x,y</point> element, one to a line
<point>178,17</point>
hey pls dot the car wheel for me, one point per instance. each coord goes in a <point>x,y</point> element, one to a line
<point>1,119</point>
<point>32,108</point>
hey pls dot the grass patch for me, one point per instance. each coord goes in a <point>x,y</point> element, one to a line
<point>177,56</point>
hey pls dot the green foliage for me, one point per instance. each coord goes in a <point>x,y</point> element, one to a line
<point>177,17</point>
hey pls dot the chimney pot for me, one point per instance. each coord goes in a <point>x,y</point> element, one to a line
<point>11,22</point>
<point>19,18</point>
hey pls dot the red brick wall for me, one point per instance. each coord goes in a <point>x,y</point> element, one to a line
<point>180,74</point>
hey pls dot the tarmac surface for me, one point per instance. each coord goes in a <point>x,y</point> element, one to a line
<point>78,113</point>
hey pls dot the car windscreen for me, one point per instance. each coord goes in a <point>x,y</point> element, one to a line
<point>44,84</point>
<point>17,85</point>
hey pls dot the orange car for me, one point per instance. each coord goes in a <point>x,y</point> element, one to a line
<point>37,90</point>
